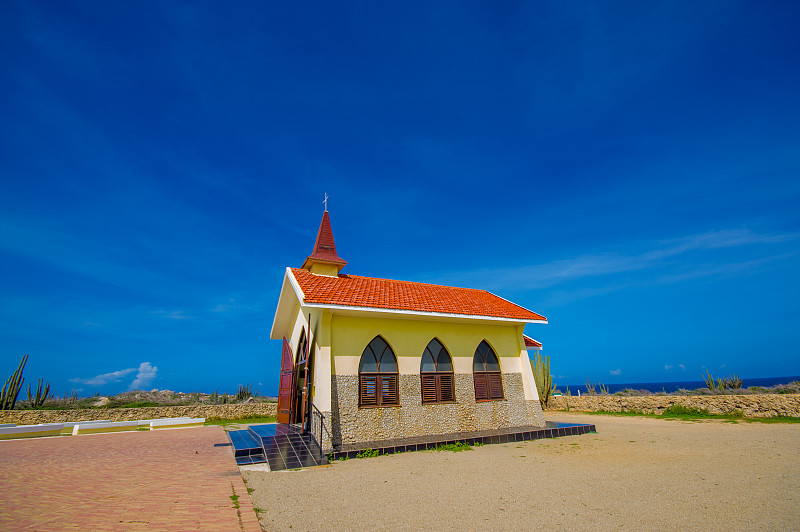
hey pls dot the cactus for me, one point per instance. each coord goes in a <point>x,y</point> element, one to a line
<point>543,378</point>
<point>244,392</point>
<point>733,382</point>
<point>41,395</point>
<point>709,380</point>
<point>8,398</point>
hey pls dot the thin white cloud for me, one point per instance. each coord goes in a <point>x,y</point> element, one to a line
<point>683,368</point>
<point>105,378</point>
<point>562,270</point>
<point>144,377</point>
<point>171,314</point>
<point>562,297</point>
<point>237,304</point>
<point>617,371</point>
<point>668,367</point>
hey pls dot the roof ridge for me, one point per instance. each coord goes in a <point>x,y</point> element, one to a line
<point>346,275</point>
<point>468,297</point>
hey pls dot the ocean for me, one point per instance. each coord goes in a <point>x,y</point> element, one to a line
<point>673,386</point>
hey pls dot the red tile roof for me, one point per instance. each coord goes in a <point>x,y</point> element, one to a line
<point>324,247</point>
<point>357,291</point>
<point>530,342</point>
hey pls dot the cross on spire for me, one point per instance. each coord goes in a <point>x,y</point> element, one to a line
<point>325,201</point>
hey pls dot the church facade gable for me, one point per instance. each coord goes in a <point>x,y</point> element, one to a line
<point>485,381</point>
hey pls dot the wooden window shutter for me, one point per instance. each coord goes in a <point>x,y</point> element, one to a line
<point>446,387</point>
<point>389,390</point>
<point>495,386</point>
<point>429,389</point>
<point>368,393</point>
<point>481,389</point>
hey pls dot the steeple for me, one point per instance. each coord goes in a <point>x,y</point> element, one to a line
<point>324,260</point>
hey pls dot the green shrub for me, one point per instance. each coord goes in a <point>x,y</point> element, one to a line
<point>456,447</point>
<point>368,453</point>
<point>681,410</point>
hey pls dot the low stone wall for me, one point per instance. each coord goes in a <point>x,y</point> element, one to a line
<point>351,424</point>
<point>32,417</point>
<point>766,405</point>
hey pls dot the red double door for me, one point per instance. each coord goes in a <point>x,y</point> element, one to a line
<point>286,386</point>
<point>292,395</point>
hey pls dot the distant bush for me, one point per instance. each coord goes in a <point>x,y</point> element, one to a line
<point>630,392</point>
<point>135,404</point>
<point>681,410</point>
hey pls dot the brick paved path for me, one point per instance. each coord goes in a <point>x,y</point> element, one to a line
<point>159,480</point>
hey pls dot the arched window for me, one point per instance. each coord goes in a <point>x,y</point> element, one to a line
<point>377,375</point>
<point>436,371</point>
<point>486,369</point>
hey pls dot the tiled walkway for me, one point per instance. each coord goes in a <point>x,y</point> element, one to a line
<point>160,480</point>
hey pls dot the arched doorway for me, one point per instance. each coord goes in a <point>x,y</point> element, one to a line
<point>301,379</point>
<point>294,394</point>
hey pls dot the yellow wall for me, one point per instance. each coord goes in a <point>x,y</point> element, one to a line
<point>338,341</point>
<point>408,338</point>
<point>321,268</point>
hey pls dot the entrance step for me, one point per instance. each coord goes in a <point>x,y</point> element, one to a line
<point>282,446</point>
<point>246,447</point>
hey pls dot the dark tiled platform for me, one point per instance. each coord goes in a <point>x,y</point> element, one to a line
<point>287,447</point>
<point>281,446</point>
<point>514,434</point>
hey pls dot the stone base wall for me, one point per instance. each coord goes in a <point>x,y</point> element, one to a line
<point>351,424</point>
<point>766,405</point>
<point>32,417</point>
<point>325,432</point>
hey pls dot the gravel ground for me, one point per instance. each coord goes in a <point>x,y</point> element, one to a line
<point>635,473</point>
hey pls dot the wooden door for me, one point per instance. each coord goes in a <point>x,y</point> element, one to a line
<point>304,392</point>
<point>286,386</point>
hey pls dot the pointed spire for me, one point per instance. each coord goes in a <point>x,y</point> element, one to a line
<point>324,250</point>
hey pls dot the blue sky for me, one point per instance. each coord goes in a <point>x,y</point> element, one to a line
<point>628,169</point>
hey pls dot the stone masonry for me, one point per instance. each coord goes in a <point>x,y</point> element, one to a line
<point>32,417</point>
<point>351,424</point>
<point>760,405</point>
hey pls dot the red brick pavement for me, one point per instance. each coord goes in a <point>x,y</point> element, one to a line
<point>159,480</point>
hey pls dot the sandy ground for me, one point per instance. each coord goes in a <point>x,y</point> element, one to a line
<point>635,473</point>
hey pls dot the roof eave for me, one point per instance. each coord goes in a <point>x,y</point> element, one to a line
<point>534,343</point>
<point>449,315</point>
<point>341,263</point>
<point>520,306</point>
<point>284,299</point>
